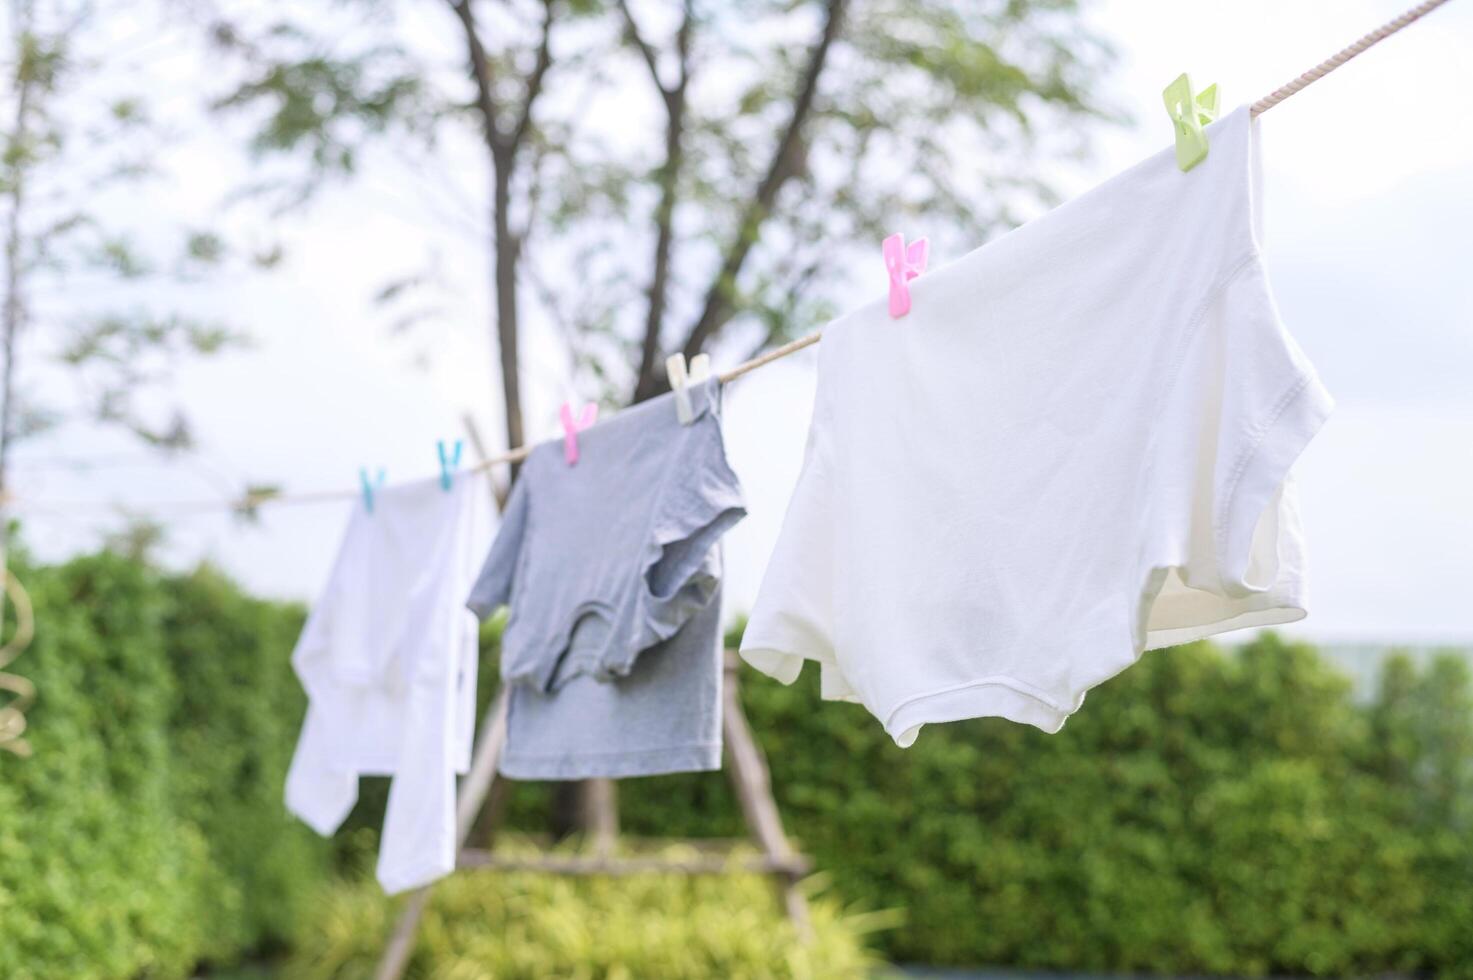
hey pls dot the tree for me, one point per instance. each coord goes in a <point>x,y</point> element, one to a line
<point>76,305</point>
<point>783,137</point>
<point>78,278</point>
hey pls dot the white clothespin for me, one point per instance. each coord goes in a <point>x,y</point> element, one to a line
<point>680,381</point>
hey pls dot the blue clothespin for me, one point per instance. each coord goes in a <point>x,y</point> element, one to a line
<point>368,488</point>
<point>1189,112</point>
<point>448,462</point>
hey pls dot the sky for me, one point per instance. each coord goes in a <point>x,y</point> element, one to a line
<point>1369,236</point>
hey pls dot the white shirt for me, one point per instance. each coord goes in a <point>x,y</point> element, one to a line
<point>388,660</point>
<point>1074,448</point>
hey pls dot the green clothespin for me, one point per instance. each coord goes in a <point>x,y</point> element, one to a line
<point>1189,113</point>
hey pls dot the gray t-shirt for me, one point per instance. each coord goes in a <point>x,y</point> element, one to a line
<point>664,717</point>
<point>602,563</point>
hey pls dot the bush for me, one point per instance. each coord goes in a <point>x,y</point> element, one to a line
<point>527,926</point>
<point>146,833</point>
<point>235,723</point>
<point>1204,812</point>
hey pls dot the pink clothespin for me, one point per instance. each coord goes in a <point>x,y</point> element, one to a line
<point>903,263</point>
<point>572,426</point>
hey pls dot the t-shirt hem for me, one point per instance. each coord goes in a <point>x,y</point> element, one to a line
<point>1280,613</point>
<point>661,615</point>
<point>324,820</point>
<point>776,663</point>
<point>414,876</point>
<point>996,696</point>
<point>781,658</point>
<point>701,757</point>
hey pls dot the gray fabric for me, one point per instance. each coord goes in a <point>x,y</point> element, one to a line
<point>612,569</point>
<point>665,716</point>
<point>607,558</point>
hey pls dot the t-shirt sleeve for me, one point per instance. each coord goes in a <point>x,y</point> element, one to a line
<point>323,656</point>
<point>319,790</point>
<point>1258,403</point>
<point>701,501</point>
<point>792,619</point>
<point>1275,405</point>
<point>418,841</point>
<point>493,586</point>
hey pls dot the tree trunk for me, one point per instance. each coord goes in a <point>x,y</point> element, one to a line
<point>590,808</point>
<point>649,381</point>
<point>14,312</point>
<point>507,249</point>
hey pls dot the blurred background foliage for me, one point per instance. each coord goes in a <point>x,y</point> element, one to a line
<point>701,171</point>
<point>526,926</point>
<point>146,834</point>
<point>1207,812</point>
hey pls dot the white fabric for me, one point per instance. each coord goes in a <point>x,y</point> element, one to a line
<point>388,660</point>
<point>1075,447</point>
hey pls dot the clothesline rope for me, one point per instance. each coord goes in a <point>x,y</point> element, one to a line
<point>1341,57</point>
<point>250,501</point>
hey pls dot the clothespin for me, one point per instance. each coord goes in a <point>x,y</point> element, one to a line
<point>903,263</point>
<point>369,488</point>
<point>448,462</point>
<point>1189,113</point>
<point>680,381</point>
<point>572,426</point>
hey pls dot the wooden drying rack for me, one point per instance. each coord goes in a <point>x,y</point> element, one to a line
<point>745,765</point>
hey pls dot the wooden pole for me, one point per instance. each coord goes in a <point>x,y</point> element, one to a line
<point>749,777</point>
<point>581,865</point>
<point>600,817</point>
<point>753,784</point>
<point>478,445</point>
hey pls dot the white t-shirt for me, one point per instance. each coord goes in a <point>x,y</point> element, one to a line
<point>388,660</point>
<point>1074,448</point>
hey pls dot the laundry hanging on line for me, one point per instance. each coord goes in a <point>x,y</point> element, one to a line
<point>611,568</point>
<point>1085,454</point>
<point>388,659</point>
<point>1080,450</point>
<point>608,554</point>
<point>1074,445</point>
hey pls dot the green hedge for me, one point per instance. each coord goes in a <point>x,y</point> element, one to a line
<point>527,926</point>
<point>1203,813</point>
<point>146,834</point>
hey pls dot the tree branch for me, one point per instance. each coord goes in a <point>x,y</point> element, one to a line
<point>682,40</point>
<point>505,241</point>
<point>718,306</point>
<point>481,72</point>
<point>800,284</point>
<point>14,304</point>
<point>648,381</point>
<point>534,80</point>
<point>651,59</point>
